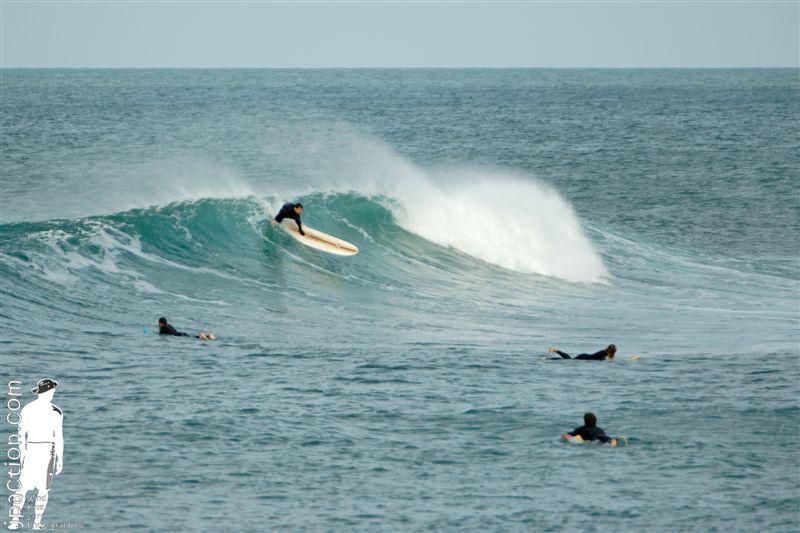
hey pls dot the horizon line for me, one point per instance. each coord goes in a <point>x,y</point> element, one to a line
<point>743,67</point>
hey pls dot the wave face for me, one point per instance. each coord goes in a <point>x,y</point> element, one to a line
<point>503,218</point>
<point>213,236</point>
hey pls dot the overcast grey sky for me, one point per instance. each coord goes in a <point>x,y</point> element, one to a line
<point>400,34</point>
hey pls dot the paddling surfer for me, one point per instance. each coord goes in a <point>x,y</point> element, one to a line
<point>165,328</point>
<point>589,431</point>
<point>607,353</point>
<point>290,210</point>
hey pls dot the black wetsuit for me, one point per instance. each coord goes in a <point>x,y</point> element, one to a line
<point>598,356</point>
<point>287,211</point>
<point>589,433</point>
<point>169,330</point>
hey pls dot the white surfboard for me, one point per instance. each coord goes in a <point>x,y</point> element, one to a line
<point>319,240</point>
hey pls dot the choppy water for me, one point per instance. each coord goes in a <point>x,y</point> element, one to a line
<point>498,212</point>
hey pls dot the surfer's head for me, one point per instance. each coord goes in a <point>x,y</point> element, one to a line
<point>162,321</point>
<point>611,351</point>
<point>298,208</point>
<point>589,419</point>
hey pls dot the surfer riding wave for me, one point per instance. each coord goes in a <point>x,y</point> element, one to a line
<point>290,210</point>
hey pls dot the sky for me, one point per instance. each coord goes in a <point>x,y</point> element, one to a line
<point>400,34</point>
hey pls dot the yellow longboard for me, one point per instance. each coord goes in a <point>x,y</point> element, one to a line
<point>319,240</point>
<point>618,441</point>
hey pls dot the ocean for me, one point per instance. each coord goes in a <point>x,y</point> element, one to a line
<point>409,387</point>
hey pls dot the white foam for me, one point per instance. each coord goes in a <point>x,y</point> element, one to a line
<point>63,259</point>
<point>516,223</point>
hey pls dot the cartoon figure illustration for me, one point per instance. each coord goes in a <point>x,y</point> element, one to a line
<point>42,450</point>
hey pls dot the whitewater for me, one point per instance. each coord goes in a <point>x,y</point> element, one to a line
<point>497,213</point>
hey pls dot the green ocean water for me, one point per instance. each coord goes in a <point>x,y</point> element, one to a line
<point>498,212</point>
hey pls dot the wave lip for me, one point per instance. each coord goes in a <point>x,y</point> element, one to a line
<point>518,224</point>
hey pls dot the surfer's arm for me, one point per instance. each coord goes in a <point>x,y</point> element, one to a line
<point>300,226</point>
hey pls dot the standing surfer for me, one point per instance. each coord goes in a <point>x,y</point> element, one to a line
<point>290,210</point>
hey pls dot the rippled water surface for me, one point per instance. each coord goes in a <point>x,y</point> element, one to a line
<point>498,212</point>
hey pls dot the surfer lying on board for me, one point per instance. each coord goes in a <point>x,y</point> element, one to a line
<point>589,432</point>
<point>602,355</point>
<point>164,328</point>
<point>290,210</point>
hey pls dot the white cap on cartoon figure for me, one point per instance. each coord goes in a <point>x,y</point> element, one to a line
<point>44,385</point>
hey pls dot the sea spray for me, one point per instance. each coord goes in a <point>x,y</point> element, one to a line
<point>504,217</point>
